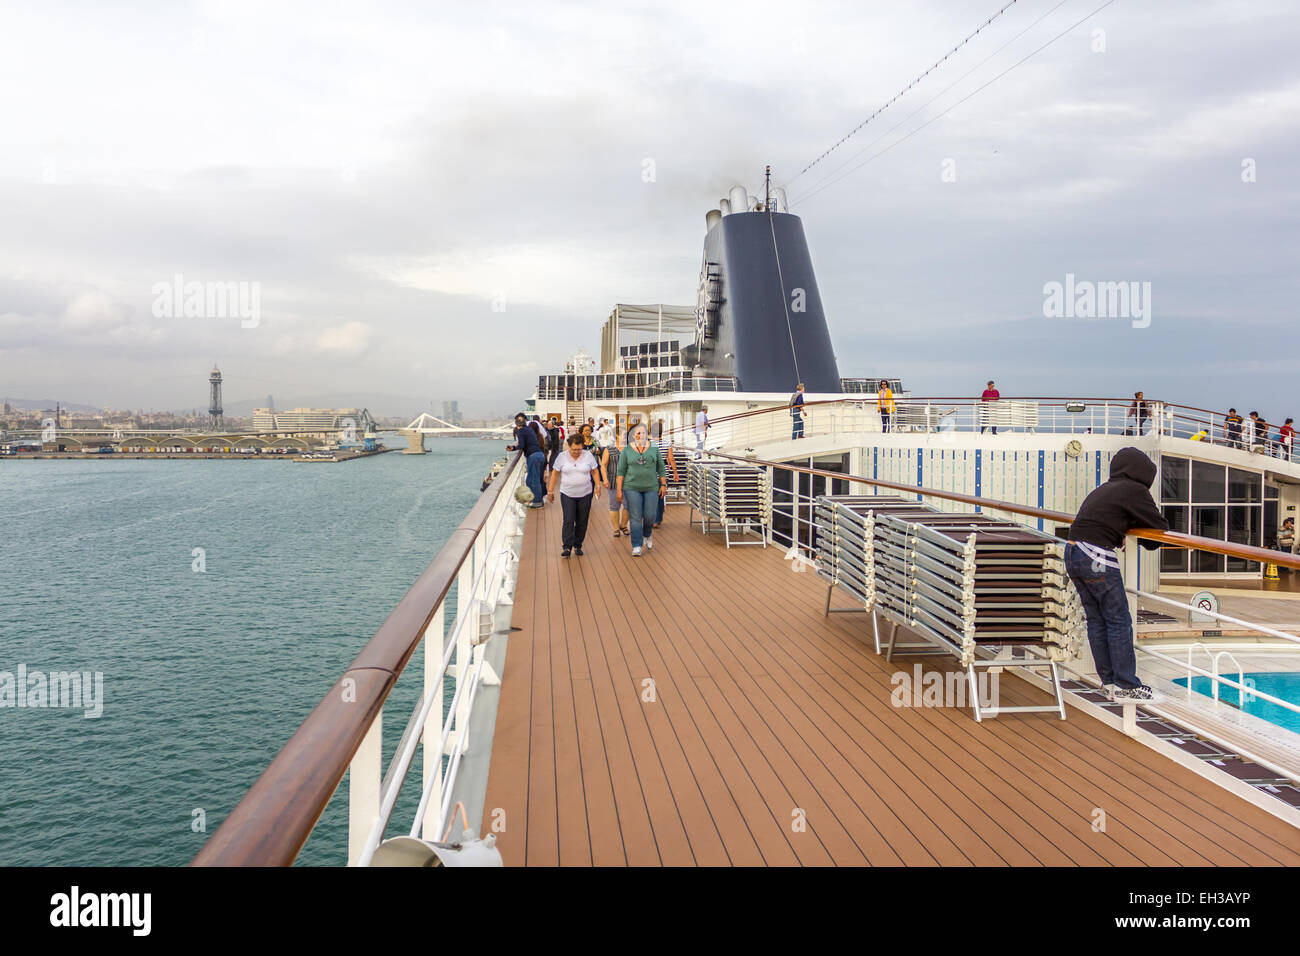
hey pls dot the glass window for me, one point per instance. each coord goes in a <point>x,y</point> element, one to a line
<point>1174,484</point>
<point>1208,523</point>
<point>1243,485</point>
<point>1244,524</point>
<point>1177,516</point>
<point>1208,483</point>
<point>1206,562</point>
<point>1173,559</point>
<point>1270,492</point>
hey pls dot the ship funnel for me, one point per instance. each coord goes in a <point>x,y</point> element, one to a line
<point>739,199</point>
<point>724,207</point>
<point>712,218</point>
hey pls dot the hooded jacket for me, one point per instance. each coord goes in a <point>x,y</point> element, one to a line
<point>1122,503</point>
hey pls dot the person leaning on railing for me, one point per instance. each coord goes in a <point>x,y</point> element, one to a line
<point>529,442</point>
<point>1105,517</point>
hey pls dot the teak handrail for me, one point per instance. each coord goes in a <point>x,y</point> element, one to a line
<point>1176,538</point>
<point>269,826</point>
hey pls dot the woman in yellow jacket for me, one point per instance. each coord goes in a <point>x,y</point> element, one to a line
<point>885,401</point>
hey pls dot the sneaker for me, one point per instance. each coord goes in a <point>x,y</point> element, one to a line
<point>1141,694</point>
<point>618,534</point>
<point>636,552</point>
<point>1108,690</point>
<point>565,553</point>
<point>578,552</point>
<point>535,504</point>
<point>649,543</point>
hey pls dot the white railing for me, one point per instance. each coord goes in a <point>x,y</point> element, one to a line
<point>1085,416</point>
<point>485,582</point>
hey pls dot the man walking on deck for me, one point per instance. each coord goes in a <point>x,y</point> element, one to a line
<point>796,412</point>
<point>991,394</point>
<point>701,426</point>
<point>1107,514</point>
<point>529,442</point>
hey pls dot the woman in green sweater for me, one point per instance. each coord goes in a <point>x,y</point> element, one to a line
<point>642,480</point>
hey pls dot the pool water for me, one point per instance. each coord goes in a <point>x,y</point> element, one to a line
<point>1282,685</point>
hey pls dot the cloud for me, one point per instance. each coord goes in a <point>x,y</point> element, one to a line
<point>383,177</point>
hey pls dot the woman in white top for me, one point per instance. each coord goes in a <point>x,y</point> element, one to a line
<point>578,475</point>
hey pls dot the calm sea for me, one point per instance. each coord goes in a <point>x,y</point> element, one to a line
<point>206,673</point>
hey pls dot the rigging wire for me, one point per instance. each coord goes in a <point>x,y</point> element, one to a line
<point>785,302</point>
<point>900,93</point>
<point>876,155</point>
<point>937,96</point>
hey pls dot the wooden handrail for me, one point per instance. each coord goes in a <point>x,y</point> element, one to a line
<point>1175,538</point>
<point>269,826</point>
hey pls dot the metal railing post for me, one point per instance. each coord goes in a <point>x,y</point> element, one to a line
<point>465,606</point>
<point>364,780</point>
<point>431,776</point>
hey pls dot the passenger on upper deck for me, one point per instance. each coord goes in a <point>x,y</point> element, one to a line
<point>991,394</point>
<point>1107,514</point>
<point>701,425</point>
<point>1232,428</point>
<point>796,412</point>
<point>885,402</point>
<point>1139,410</point>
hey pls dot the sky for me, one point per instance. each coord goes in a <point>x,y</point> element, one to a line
<point>436,202</point>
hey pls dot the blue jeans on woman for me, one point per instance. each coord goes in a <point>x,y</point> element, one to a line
<point>1110,629</point>
<point>536,464</point>
<point>641,507</point>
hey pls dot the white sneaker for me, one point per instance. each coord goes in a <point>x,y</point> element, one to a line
<point>636,552</point>
<point>1141,694</point>
<point>649,543</point>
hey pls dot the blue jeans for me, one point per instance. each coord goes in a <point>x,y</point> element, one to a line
<point>641,514</point>
<point>1110,629</point>
<point>798,428</point>
<point>536,462</point>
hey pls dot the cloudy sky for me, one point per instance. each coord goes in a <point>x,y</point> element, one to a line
<point>443,201</point>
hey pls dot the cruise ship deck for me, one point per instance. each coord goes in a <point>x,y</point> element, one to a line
<point>766,713</point>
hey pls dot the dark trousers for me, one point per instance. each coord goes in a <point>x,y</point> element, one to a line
<point>798,428</point>
<point>576,511</point>
<point>884,421</point>
<point>1110,629</point>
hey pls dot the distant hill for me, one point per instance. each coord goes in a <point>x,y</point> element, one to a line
<point>40,404</point>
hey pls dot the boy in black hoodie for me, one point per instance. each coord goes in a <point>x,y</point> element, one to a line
<point>1106,515</point>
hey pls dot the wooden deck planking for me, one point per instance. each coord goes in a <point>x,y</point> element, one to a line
<point>764,705</point>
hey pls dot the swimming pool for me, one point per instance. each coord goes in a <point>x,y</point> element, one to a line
<point>1282,685</point>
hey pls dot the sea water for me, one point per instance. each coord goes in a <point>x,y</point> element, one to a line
<point>217,601</point>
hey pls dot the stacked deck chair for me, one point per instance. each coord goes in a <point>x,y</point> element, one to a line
<point>991,592</point>
<point>677,486</point>
<point>729,497</point>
